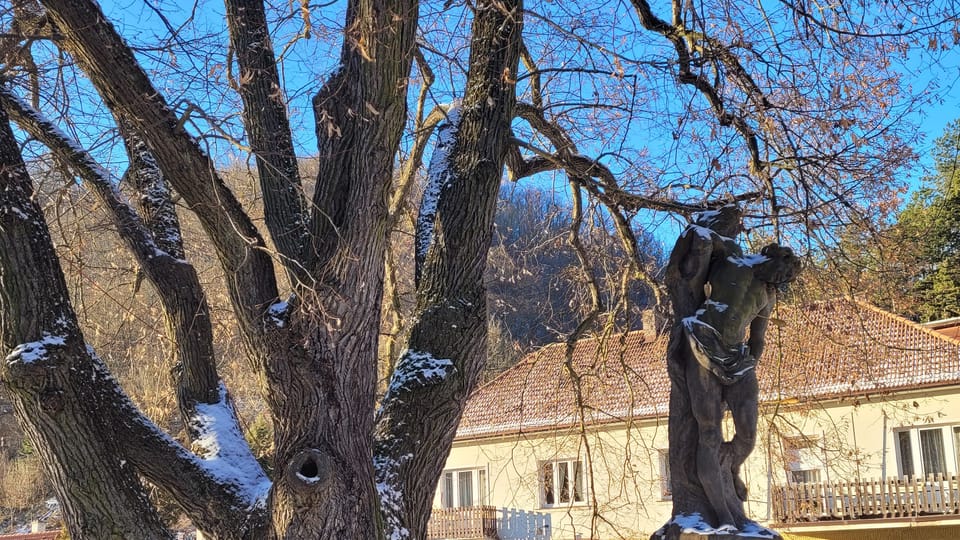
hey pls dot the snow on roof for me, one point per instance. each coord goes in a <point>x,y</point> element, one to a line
<point>825,350</point>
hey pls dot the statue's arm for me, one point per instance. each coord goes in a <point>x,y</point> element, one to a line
<point>688,265</point>
<point>758,329</point>
<point>687,271</point>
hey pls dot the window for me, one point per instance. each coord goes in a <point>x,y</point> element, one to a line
<point>931,451</point>
<point>805,476</point>
<point>925,451</point>
<point>562,482</point>
<point>666,487</point>
<point>956,444</point>
<point>463,488</point>
<point>803,458</point>
<point>905,453</point>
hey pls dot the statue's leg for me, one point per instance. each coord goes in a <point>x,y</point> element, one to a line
<point>707,407</point>
<point>742,400</point>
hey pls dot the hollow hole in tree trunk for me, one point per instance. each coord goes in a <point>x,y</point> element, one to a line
<point>309,469</point>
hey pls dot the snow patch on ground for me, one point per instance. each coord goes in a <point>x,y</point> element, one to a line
<point>224,451</point>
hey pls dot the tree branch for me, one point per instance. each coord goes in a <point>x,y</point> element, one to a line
<point>208,416</point>
<point>50,373</point>
<point>125,87</point>
<point>592,174</point>
<point>685,43</point>
<point>446,350</point>
<point>268,128</point>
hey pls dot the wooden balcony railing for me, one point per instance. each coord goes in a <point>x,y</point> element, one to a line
<point>473,522</point>
<point>46,535</point>
<point>867,499</point>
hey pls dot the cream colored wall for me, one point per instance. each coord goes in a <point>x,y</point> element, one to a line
<point>858,434</point>
<point>626,479</point>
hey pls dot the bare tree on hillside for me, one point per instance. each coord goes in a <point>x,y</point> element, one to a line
<point>743,102</point>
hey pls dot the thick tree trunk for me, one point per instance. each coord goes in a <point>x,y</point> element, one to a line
<point>322,395</point>
<point>318,350</point>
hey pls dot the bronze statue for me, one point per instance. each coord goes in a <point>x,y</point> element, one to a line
<point>718,294</point>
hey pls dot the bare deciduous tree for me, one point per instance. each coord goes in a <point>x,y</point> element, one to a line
<point>743,100</point>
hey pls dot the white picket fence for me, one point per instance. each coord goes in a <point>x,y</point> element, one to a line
<point>488,522</point>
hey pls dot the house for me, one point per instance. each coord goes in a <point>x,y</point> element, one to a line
<point>859,433</point>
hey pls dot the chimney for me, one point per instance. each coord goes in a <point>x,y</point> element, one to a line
<point>655,322</point>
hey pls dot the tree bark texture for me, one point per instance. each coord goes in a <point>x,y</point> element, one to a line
<point>318,348</point>
<point>268,128</point>
<point>56,383</point>
<point>155,242</point>
<point>212,502</point>
<point>419,415</point>
<point>125,87</point>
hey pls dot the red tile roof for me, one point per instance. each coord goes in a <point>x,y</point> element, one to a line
<point>824,350</point>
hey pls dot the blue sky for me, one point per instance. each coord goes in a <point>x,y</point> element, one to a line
<point>308,64</point>
<point>310,60</point>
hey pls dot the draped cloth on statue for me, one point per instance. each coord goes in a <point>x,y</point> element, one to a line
<point>728,362</point>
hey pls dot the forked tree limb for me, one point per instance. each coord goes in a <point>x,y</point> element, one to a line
<point>110,64</point>
<point>215,502</point>
<point>418,416</point>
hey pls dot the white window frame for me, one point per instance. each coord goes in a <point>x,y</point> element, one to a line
<point>949,436</point>
<point>556,466</point>
<point>803,456</point>
<point>452,478</point>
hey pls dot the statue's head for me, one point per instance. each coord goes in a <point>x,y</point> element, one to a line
<point>725,221</point>
<point>781,267</point>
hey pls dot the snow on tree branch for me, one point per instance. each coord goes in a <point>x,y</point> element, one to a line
<point>34,351</point>
<point>417,369</point>
<point>439,177</point>
<point>224,451</point>
<point>391,495</point>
